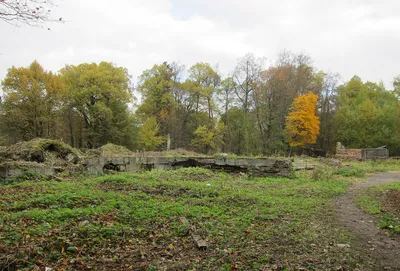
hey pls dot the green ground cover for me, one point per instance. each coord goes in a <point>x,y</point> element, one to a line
<point>384,202</point>
<point>133,222</point>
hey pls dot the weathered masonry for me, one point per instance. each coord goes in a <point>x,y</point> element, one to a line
<point>15,169</point>
<point>43,157</point>
<point>378,153</point>
<point>361,154</point>
<point>262,167</point>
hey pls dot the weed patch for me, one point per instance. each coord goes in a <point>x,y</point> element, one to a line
<point>132,222</point>
<point>350,172</point>
<point>384,202</point>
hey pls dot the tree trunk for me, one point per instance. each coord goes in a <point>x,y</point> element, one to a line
<point>71,131</point>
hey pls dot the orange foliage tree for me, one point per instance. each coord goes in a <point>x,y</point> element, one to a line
<point>302,125</point>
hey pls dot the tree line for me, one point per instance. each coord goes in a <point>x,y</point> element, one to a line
<point>256,109</point>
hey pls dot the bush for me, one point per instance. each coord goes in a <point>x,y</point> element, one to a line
<point>322,173</point>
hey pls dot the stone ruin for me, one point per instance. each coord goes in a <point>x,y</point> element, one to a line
<point>44,157</point>
<point>361,154</point>
<point>260,167</point>
<point>343,153</point>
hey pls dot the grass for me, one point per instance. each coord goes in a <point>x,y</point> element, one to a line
<point>384,202</point>
<point>375,166</point>
<point>132,222</point>
<point>351,172</point>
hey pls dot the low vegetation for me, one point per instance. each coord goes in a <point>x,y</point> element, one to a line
<point>133,222</point>
<point>384,202</point>
<point>38,149</point>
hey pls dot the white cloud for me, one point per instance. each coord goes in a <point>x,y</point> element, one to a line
<point>349,37</point>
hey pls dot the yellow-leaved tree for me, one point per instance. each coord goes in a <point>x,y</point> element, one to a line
<point>148,135</point>
<point>302,125</point>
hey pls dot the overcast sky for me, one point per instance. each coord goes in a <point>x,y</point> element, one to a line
<point>344,36</point>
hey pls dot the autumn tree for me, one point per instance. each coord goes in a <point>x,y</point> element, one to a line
<point>31,103</point>
<point>302,125</point>
<point>258,110</point>
<point>289,77</point>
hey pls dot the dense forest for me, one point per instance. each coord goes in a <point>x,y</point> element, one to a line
<point>258,109</point>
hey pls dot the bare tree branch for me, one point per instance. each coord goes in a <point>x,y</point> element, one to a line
<point>29,12</point>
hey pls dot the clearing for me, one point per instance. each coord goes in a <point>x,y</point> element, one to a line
<point>136,222</point>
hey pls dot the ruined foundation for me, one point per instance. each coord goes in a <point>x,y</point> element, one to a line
<point>260,167</point>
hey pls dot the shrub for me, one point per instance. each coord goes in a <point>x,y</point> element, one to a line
<point>322,173</point>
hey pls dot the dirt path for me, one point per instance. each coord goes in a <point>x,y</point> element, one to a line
<point>383,248</point>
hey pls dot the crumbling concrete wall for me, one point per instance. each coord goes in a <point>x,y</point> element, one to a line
<point>49,157</point>
<point>378,153</point>
<point>260,167</point>
<point>252,166</point>
<point>13,169</point>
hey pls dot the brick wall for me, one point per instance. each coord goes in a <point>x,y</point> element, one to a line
<point>348,154</point>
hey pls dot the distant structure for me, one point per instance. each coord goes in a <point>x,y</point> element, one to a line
<point>378,153</point>
<point>361,154</point>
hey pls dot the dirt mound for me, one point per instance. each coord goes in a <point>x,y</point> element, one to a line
<point>113,150</point>
<point>110,150</point>
<point>173,153</point>
<point>40,150</point>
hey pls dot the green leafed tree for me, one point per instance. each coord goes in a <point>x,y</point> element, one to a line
<point>149,135</point>
<point>99,95</point>
<point>31,104</point>
<point>396,86</point>
<point>208,138</point>
<point>156,86</point>
<point>206,80</point>
<point>367,116</point>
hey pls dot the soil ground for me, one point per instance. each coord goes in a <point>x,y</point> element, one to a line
<point>381,246</point>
